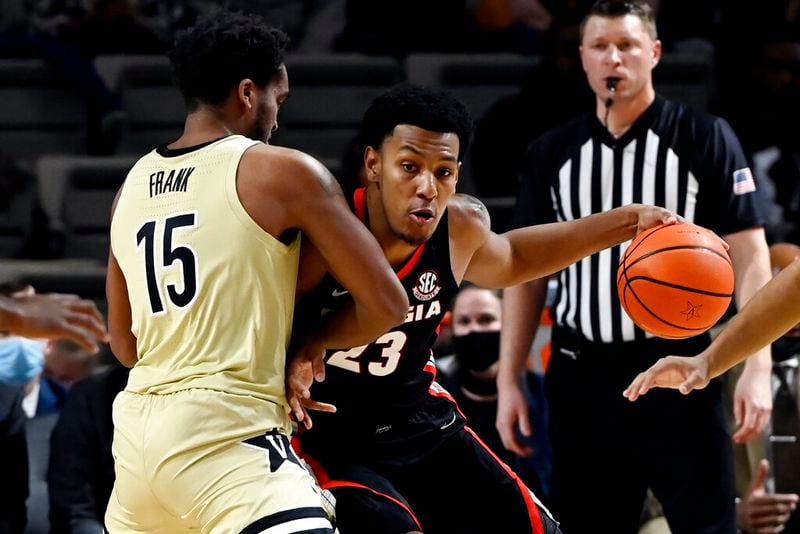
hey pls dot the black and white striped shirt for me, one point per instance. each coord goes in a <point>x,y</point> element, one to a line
<point>685,161</point>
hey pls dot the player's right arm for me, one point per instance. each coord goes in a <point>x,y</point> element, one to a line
<point>123,342</point>
<point>300,193</point>
<point>304,195</point>
<point>522,307</point>
<point>769,314</point>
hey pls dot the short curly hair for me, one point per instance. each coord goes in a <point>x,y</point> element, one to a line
<point>220,50</point>
<point>432,109</point>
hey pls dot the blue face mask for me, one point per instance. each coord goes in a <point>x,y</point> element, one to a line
<point>20,359</point>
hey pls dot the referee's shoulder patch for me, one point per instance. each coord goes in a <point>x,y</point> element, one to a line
<point>743,182</point>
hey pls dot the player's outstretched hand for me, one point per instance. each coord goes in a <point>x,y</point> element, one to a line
<point>676,372</point>
<point>52,316</point>
<point>302,368</point>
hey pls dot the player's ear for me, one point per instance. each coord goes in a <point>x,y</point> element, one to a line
<point>372,163</point>
<point>245,93</point>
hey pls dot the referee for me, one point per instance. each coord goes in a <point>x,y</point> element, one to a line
<point>636,147</point>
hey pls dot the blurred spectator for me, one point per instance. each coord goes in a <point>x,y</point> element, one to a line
<point>554,92</point>
<point>773,135</point>
<point>291,16</point>
<point>511,25</point>
<point>81,471</point>
<point>413,26</point>
<point>13,461</point>
<point>45,370</point>
<point>737,59</point>
<point>65,362</point>
<point>476,320</point>
<point>110,27</point>
<point>21,363</point>
<point>679,32</point>
<point>759,511</point>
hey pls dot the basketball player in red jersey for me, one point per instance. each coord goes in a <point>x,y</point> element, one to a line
<point>397,440</point>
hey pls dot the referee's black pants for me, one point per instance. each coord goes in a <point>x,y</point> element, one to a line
<point>607,451</point>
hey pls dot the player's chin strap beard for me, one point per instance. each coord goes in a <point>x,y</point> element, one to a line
<point>611,85</point>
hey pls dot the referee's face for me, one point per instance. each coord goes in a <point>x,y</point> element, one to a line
<point>619,48</point>
<point>416,171</point>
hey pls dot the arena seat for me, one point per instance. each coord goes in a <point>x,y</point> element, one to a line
<point>76,194</point>
<point>329,94</point>
<point>42,110</point>
<point>15,222</point>
<point>153,108</point>
<point>477,79</point>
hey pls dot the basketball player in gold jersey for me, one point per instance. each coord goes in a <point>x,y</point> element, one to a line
<point>205,240</point>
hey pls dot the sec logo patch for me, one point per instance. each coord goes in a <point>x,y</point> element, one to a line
<point>427,285</point>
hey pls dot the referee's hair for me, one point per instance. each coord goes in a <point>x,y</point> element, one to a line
<point>620,8</point>
<point>223,48</point>
<point>431,109</point>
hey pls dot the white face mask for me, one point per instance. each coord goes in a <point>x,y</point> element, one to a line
<point>21,359</point>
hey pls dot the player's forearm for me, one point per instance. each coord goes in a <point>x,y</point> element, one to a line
<point>353,326</point>
<point>771,312</point>
<point>522,310</point>
<point>544,249</point>
<point>750,257</point>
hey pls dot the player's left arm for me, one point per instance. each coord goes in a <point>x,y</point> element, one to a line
<point>753,395</point>
<point>535,251</point>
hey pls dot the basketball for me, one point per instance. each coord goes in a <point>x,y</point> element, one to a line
<point>675,281</point>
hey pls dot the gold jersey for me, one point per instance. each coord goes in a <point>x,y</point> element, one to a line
<point>211,293</point>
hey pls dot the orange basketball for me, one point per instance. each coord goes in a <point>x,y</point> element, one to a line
<point>675,281</point>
